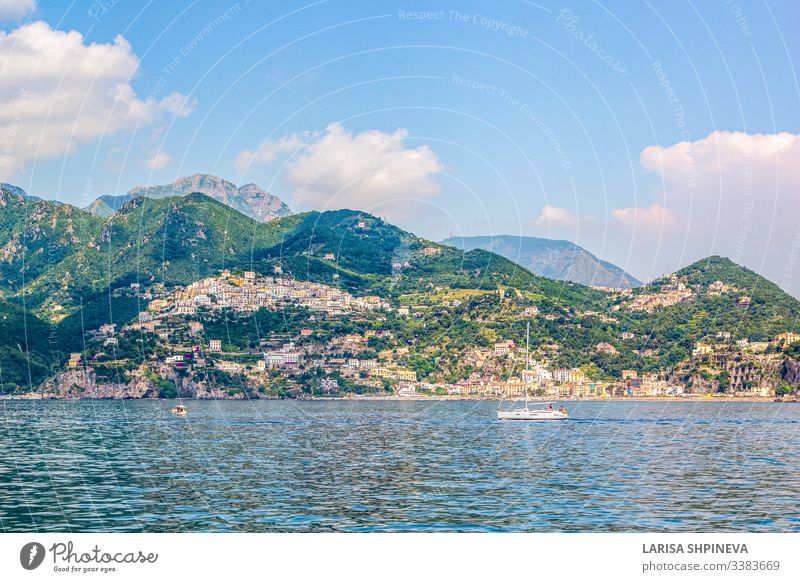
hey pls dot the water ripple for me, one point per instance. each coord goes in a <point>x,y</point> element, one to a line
<point>396,466</point>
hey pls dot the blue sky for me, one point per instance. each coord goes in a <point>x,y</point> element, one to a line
<point>514,117</point>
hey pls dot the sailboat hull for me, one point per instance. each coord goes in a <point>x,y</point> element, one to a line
<point>534,415</point>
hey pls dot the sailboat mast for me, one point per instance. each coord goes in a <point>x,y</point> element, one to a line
<point>527,348</point>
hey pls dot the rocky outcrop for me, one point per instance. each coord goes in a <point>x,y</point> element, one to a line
<point>146,381</point>
<point>790,371</point>
<point>84,384</point>
<point>11,189</point>
<point>261,204</point>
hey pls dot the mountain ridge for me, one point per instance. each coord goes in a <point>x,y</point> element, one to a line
<point>552,258</point>
<point>249,199</point>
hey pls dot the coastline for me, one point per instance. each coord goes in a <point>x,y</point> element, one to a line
<point>689,398</point>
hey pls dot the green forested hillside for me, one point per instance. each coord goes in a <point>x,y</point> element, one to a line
<point>36,235</point>
<point>175,241</point>
<point>771,311</point>
<point>369,254</point>
<point>26,352</point>
<point>78,271</point>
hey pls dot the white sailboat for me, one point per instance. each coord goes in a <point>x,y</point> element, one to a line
<point>540,410</point>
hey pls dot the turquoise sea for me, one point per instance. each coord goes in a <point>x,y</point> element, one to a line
<point>128,466</point>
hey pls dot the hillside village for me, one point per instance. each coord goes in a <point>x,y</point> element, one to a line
<point>338,347</point>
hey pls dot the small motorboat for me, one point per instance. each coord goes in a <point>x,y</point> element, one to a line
<point>180,410</point>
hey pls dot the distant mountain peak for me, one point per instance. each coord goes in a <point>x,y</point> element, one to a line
<point>11,189</point>
<point>249,199</point>
<point>17,191</point>
<point>555,259</point>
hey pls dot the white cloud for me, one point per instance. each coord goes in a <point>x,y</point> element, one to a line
<point>159,161</point>
<point>371,171</point>
<point>15,9</point>
<point>270,149</point>
<point>653,220</point>
<point>555,217</point>
<point>734,194</point>
<point>723,153</point>
<point>58,92</point>
<point>177,105</point>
